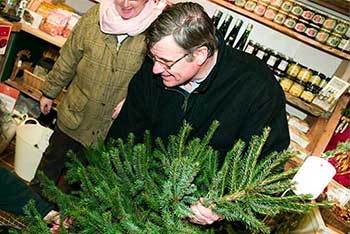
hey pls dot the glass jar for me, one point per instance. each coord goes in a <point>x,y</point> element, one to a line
<point>329,23</point>
<point>344,44</point>
<point>240,3</point>
<point>316,78</point>
<point>287,6</point>
<point>309,94</point>
<point>286,83</point>
<point>293,69</point>
<point>304,74</point>
<point>270,12</point>
<point>290,22</point>
<point>282,64</point>
<point>318,19</point>
<point>322,35</point>
<point>341,27</point>
<point>250,5</point>
<point>307,14</point>
<point>276,3</point>
<point>261,53</point>
<point>251,47</point>
<point>300,26</point>
<point>333,40</point>
<point>272,59</point>
<point>260,8</point>
<point>312,30</point>
<point>280,17</point>
<point>297,10</point>
<point>324,82</point>
<point>297,88</point>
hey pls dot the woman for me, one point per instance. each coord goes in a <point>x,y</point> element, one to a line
<point>98,60</point>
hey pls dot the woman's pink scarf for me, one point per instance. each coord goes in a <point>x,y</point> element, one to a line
<point>112,23</point>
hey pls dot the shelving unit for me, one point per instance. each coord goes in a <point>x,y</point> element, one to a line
<point>282,29</point>
<point>57,40</point>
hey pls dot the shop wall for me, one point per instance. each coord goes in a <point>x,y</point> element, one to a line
<point>80,5</point>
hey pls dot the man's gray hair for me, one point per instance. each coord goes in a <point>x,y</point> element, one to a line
<point>188,23</point>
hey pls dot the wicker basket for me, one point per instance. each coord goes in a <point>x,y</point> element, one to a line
<point>331,218</point>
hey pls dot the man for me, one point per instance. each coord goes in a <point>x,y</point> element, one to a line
<point>195,77</point>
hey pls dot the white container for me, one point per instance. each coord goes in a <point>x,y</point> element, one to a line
<point>31,142</point>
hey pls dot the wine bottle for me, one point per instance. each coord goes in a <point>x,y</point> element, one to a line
<point>216,17</point>
<point>242,41</point>
<point>230,40</point>
<point>225,25</point>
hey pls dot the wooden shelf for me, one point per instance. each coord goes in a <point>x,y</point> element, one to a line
<point>309,108</point>
<point>19,84</point>
<point>341,6</point>
<point>58,40</point>
<point>30,91</point>
<point>16,27</point>
<point>283,29</point>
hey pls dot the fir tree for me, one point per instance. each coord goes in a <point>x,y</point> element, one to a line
<point>139,189</point>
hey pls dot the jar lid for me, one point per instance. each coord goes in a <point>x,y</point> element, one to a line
<point>323,76</point>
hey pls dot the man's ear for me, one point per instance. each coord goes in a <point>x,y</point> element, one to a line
<point>201,54</point>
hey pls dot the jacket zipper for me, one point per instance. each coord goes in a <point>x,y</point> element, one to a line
<point>186,97</point>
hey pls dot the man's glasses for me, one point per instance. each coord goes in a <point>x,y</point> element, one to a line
<point>164,64</point>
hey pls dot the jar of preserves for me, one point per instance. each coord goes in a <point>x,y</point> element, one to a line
<point>297,88</point>
<point>304,74</point>
<point>316,78</point>
<point>329,23</point>
<point>300,26</point>
<point>333,40</point>
<point>312,30</point>
<point>341,27</point>
<point>276,3</point>
<point>322,35</point>
<point>286,83</point>
<point>297,10</point>
<point>309,94</point>
<point>250,5</point>
<point>280,17</point>
<point>293,69</point>
<point>290,22</point>
<point>251,47</point>
<point>270,12</point>
<point>287,5</point>
<point>318,19</point>
<point>323,83</point>
<point>240,3</point>
<point>260,8</point>
<point>307,14</point>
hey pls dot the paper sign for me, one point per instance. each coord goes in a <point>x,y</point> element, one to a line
<point>8,96</point>
<point>5,31</point>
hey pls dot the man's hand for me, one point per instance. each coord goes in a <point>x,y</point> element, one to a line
<point>202,214</point>
<point>117,109</point>
<point>45,105</point>
<point>53,218</point>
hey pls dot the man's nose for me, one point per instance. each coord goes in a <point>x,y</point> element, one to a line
<point>157,68</point>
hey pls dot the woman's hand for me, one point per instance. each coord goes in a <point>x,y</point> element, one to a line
<point>203,215</point>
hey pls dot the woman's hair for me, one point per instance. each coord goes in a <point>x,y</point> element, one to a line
<point>188,23</point>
